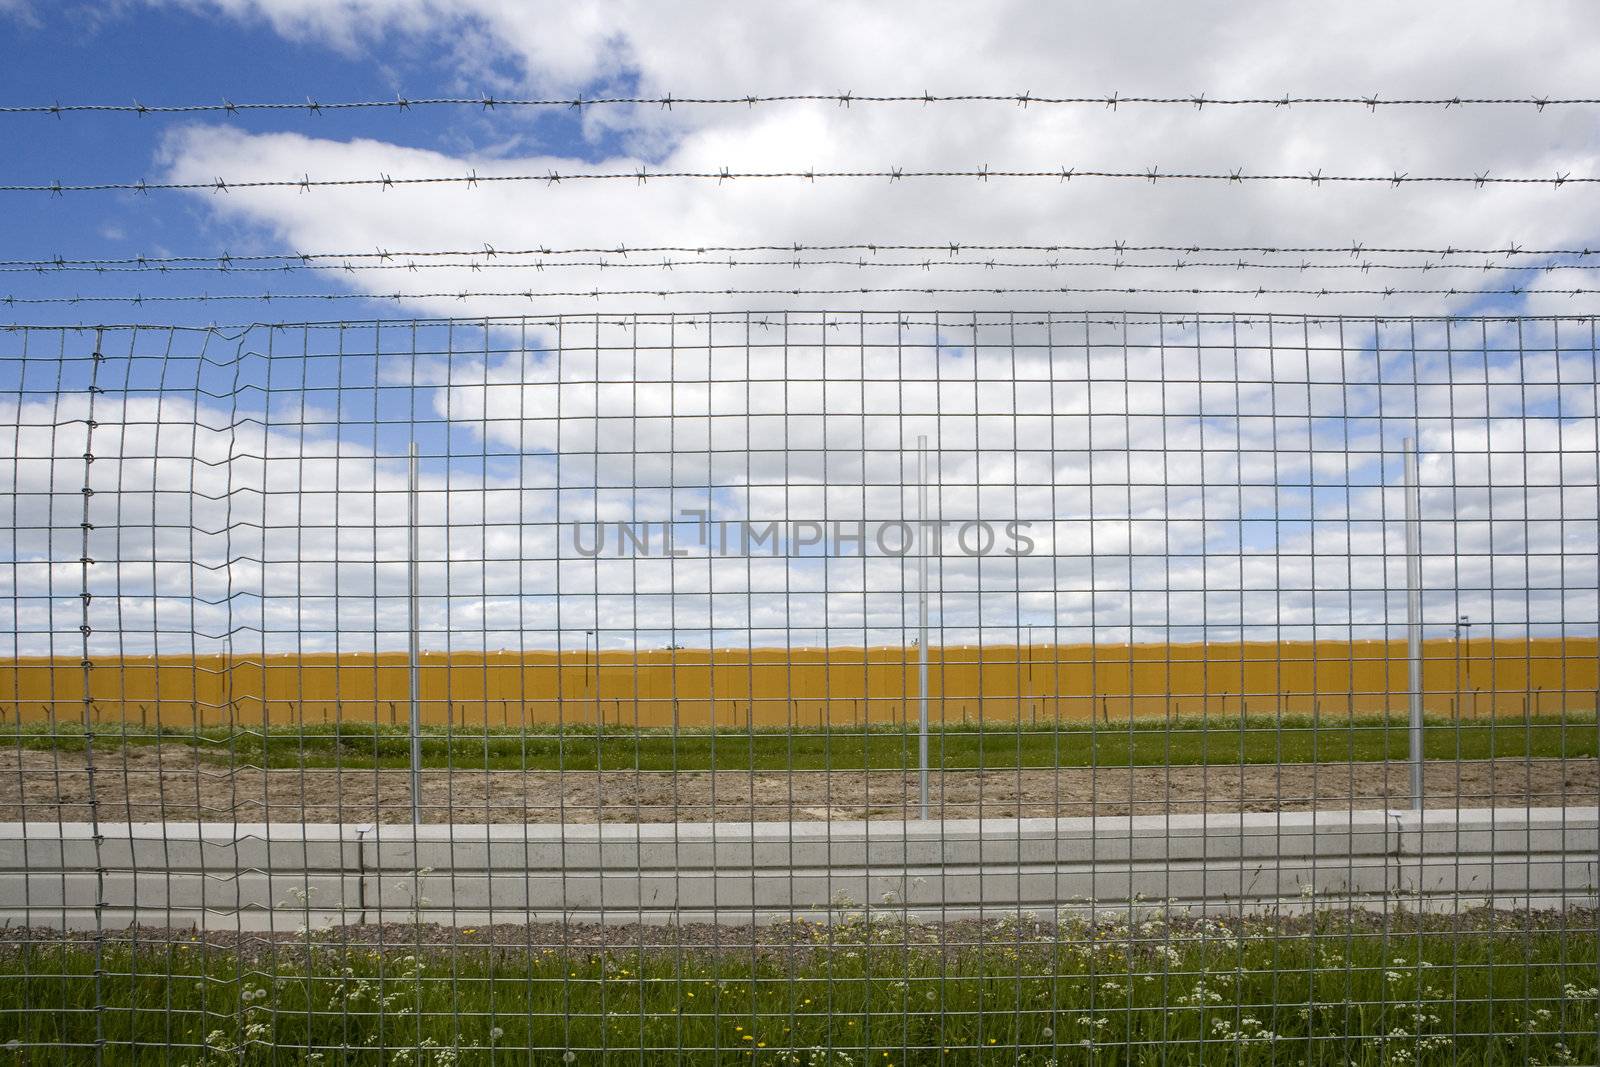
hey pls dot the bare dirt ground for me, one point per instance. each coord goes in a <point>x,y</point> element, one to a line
<point>148,783</point>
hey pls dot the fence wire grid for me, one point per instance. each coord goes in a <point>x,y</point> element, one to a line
<point>811,688</point>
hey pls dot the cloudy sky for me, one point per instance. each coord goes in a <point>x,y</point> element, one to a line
<point>1185,482</point>
<point>208,51</point>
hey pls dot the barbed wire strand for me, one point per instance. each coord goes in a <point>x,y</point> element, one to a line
<point>642,176</point>
<point>1109,101</point>
<point>1363,266</point>
<point>530,294</point>
<point>953,248</point>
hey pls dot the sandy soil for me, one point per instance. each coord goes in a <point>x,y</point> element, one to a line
<point>146,783</point>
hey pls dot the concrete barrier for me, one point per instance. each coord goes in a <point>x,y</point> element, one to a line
<point>285,876</point>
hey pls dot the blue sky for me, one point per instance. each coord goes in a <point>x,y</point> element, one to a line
<point>175,55</point>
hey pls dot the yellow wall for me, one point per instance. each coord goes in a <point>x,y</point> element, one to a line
<point>809,686</point>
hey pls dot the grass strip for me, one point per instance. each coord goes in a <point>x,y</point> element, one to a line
<point>1259,739</point>
<point>1202,992</point>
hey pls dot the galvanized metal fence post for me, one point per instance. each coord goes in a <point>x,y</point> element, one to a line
<point>1414,619</point>
<point>922,618</point>
<point>415,645</point>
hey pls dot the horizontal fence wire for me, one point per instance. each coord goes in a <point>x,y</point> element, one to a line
<point>1197,101</point>
<point>489,253</point>
<point>498,261</point>
<point>267,298</point>
<point>641,176</point>
<point>803,687</point>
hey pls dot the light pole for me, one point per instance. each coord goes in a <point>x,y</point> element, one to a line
<point>1464,625</point>
<point>588,674</point>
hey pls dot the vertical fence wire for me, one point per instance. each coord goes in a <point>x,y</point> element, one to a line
<point>803,688</point>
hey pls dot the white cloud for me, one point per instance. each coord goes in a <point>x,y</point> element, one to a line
<point>20,10</point>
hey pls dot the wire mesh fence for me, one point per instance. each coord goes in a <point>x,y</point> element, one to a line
<point>803,688</point>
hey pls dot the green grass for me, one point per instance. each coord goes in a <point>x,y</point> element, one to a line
<point>1203,994</point>
<point>1145,742</point>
